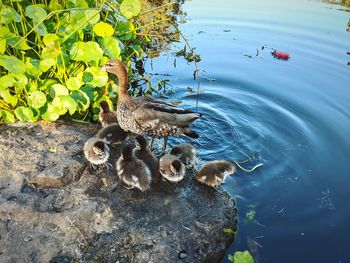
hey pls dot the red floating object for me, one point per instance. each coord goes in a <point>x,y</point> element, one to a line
<point>280,55</point>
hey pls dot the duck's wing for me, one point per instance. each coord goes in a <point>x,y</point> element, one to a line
<point>157,114</point>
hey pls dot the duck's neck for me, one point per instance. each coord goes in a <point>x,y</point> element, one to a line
<point>122,75</point>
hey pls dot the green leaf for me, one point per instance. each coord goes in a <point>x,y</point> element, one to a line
<point>8,15</point>
<point>125,30</point>
<point>36,99</point>
<point>111,47</point>
<point>229,231</point>
<point>46,64</point>
<point>18,42</point>
<point>87,77</point>
<point>51,40</point>
<point>58,90</point>
<point>63,103</point>
<point>250,215</point>
<point>2,46</point>
<point>7,116</point>
<point>50,114</point>
<point>77,4</point>
<point>8,98</point>
<point>24,114</point>
<point>12,64</point>
<point>100,77</point>
<point>92,16</point>
<point>86,51</point>
<point>81,98</point>
<point>130,8</point>
<point>38,14</point>
<point>74,83</point>
<point>243,257</point>
<point>103,29</point>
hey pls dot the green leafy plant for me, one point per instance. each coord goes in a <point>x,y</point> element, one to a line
<point>51,53</point>
<point>241,257</point>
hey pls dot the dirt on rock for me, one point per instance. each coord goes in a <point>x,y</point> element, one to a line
<point>55,208</point>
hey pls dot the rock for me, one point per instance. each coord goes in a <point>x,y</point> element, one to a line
<point>55,208</point>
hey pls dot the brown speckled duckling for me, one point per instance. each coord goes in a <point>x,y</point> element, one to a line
<point>214,173</point>
<point>106,116</point>
<point>96,151</point>
<point>171,168</point>
<point>187,154</point>
<point>132,171</point>
<point>112,134</point>
<point>143,153</point>
<point>145,115</point>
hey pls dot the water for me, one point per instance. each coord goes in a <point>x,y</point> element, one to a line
<point>293,116</point>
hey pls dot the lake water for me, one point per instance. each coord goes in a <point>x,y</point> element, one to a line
<point>292,116</point>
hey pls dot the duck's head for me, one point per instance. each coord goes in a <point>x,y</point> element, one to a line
<point>116,67</point>
<point>141,142</point>
<point>127,152</point>
<point>104,106</point>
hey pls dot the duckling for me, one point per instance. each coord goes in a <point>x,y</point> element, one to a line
<point>171,168</point>
<point>214,173</point>
<point>145,115</point>
<point>112,134</point>
<point>96,151</point>
<point>144,154</point>
<point>132,171</point>
<point>186,153</point>
<point>106,116</point>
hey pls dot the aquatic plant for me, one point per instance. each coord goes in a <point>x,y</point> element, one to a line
<point>241,257</point>
<point>51,51</point>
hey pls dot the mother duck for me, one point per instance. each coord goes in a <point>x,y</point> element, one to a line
<point>146,115</point>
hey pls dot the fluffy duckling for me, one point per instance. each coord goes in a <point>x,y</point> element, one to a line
<point>112,134</point>
<point>143,114</point>
<point>96,151</point>
<point>186,153</point>
<point>214,173</point>
<point>132,171</point>
<point>171,168</point>
<point>144,154</point>
<point>106,116</point>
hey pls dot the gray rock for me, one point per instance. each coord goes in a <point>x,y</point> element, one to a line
<point>55,207</point>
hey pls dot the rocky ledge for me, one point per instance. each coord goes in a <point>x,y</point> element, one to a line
<point>55,208</point>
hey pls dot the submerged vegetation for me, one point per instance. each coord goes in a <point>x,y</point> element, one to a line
<point>51,53</point>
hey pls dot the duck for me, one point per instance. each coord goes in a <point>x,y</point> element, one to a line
<point>112,134</point>
<point>96,151</point>
<point>187,154</point>
<point>106,115</point>
<point>171,168</point>
<point>132,171</point>
<point>143,153</point>
<point>214,173</point>
<point>147,115</point>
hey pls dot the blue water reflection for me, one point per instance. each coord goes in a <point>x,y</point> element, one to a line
<point>293,116</point>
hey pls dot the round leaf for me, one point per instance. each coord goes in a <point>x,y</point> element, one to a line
<point>8,15</point>
<point>24,114</point>
<point>58,90</point>
<point>63,103</point>
<point>50,39</point>
<point>50,114</point>
<point>130,8</point>
<point>12,64</point>
<point>100,77</point>
<point>7,116</point>
<point>81,98</point>
<point>111,47</point>
<point>243,257</point>
<point>36,99</point>
<point>103,29</point>
<point>86,51</point>
<point>74,83</point>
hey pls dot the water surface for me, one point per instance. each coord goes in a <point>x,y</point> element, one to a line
<point>293,116</point>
